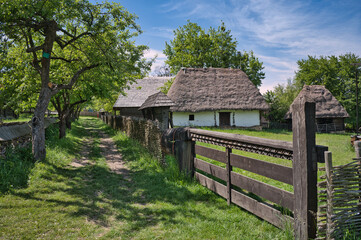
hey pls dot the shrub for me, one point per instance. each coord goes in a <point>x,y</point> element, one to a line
<point>15,168</point>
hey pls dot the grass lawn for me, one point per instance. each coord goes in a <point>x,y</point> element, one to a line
<point>91,202</point>
<point>338,144</point>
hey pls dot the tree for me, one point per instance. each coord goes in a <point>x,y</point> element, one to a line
<point>192,46</point>
<point>280,100</point>
<point>337,74</point>
<point>76,35</point>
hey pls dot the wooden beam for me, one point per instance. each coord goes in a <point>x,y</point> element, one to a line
<point>304,168</point>
<point>210,153</point>
<point>267,169</point>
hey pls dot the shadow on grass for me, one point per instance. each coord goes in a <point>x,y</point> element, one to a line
<point>102,196</point>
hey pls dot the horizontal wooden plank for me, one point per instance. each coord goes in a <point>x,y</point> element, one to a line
<point>278,144</point>
<point>267,169</point>
<point>209,168</point>
<point>215,186</point>
<point>261,210</point>
<point>274,194</point>
<point>211,153</point>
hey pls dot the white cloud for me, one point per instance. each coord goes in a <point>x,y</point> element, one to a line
<point>151,53</point>
<point>159,61</point>
<point>281,32</point>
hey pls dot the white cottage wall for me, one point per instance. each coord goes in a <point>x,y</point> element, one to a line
<point>239,118</point>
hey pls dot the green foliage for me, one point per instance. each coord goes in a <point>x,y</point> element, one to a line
<point>280,100</point>
<point>165,88</point>
<point>93,52</point>
<point>335,73</point>
<point>192,46</point>
<point>15,168</point>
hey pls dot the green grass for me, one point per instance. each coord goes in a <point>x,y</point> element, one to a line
<point>63,202</point>
<point>22,118</point>
<point>339,145</point>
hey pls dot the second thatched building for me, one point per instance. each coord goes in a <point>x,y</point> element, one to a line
<point>215,97</point>
<point>330,114</point>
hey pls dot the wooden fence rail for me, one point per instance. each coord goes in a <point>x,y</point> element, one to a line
<point>235,186</point>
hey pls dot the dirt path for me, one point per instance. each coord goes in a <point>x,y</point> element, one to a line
<point>108,150</point>
<point>113,156</point>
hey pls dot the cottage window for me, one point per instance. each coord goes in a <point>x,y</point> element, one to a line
<point>191,117</point>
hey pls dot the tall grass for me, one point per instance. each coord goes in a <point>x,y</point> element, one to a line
<point>15,168</point>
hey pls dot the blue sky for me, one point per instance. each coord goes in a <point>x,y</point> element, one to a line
<point>279,32</point>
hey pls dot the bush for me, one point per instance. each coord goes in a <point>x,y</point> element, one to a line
<point>18,162</point>
<point>15,168</point>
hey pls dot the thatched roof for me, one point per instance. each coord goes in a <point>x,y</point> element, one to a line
<point>209,89</point>
<point>158,99</point>
<point>327,106</point>
<point>139,92</point>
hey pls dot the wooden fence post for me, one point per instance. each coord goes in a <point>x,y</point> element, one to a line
<point>184,150</point>
<point>357,145</point>
<point>329,210</point>
<point>304,169</point>
<point>229,170</point>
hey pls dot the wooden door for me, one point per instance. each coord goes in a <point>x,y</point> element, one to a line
<point>224,119</point>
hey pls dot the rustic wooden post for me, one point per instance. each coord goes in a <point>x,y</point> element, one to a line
<point>185,151</point>
<point>304,169</point>
<point>229,170</point>
<point>329,189</point>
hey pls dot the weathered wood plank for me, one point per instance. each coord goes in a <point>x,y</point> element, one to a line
<point>261,210</point>
<point>210,153</point>
<point>304,168</point>
<point>228,172</point>
<point>215,186</point>
<point>270,170</point>
<point>274,194</point>
<point>212,169</point>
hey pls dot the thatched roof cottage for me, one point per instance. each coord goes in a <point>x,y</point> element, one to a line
<point>135,96</point>
<point>215,97</point>
<point>330,114</point>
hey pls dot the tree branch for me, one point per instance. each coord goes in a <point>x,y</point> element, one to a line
<point>34,49</point>
<point>56,88</point>
<point>35,57</point>
<point>74,38</point>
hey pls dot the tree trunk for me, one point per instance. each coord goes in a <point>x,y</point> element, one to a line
<point>62,127</point>
<point>68,120</point>
<point>38,130</point>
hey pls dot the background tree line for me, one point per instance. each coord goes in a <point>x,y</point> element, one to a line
<point>336,73</point>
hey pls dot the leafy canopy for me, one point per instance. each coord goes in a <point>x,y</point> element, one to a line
<point>192,46</point>
<point>336,73</point>
<point>93,48</point>
<point>280,100</point>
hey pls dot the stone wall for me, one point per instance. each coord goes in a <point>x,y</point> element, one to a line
<point>146,132</point>
<point>17,134</point>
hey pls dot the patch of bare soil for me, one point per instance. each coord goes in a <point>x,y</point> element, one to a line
<point>113,156</point>
<point>83,161</point>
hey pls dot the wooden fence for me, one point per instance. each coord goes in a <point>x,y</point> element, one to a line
<point>233,179</point>
<point>302,202</point>
<point>339,211</point>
